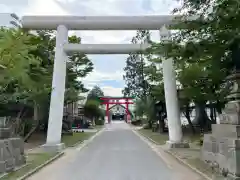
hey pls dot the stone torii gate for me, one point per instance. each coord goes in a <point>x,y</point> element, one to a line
<point>64,23</point>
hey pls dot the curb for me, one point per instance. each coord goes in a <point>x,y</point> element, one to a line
<point>76,144</point>
<point>177,157</point>
<point>188,165</point>
<point>41,166</point>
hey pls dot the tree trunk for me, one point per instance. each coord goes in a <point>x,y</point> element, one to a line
<point>215,114</point>
<point>149,124</point>
<point>35,115</point>
<point>219,106</point>
<point>17,125</point>
<point>211,111</point>
<point>34,124</point>
<point>161,126</point>
<point>201,115</point>
<point>187,115</point>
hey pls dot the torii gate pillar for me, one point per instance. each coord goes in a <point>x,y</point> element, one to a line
<point>65,23</point>
<point>54,131</point>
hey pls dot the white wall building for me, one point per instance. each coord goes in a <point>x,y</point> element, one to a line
<point>118,109</point>
<point>9,20</point>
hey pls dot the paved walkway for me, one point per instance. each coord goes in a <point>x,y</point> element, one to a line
<point>116,154</point>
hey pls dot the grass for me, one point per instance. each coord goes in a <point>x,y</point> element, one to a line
<point>205,168</point>
<point>33,161</point>
<point>157,137</point>
<point>77,137</point>
<point>201,166</point>
<point>163,137</point>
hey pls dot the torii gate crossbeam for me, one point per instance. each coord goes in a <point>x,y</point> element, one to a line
<point>106,49</point>
<point>152,22</point>
<point>65,23</point>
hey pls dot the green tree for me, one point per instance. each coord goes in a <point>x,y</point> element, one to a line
<point>95,93</point>
<point>134,77</point>
<point>17,84</point>
<point>16,81</point>
<point>92,110</point>
<point>92,107</point>
<point>147,108</point>
<point>79,66</point>
<point>26,80</point>
<point>202,53</point>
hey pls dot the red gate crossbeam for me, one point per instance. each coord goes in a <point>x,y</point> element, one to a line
<point>115,99</point>
<point>117,103</point>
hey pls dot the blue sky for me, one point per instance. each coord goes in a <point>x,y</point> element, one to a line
<point>108,69</point>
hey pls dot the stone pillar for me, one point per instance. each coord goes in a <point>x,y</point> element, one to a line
<point>170,88</point>
<point>221,149</point>
<point>58,90</point>
<point>12,149</point>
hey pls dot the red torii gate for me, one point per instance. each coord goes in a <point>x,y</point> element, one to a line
<point>108,101</point>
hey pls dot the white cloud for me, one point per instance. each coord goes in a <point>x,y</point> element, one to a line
<point>111,91</point>
<point>106,37</point>
<point>4,8</point>
<point>107,90</point>
<point>105,7</point>
<point>44,7</point>
<point>96,77</point>
<point>164,6</point>
<point>12,6</point>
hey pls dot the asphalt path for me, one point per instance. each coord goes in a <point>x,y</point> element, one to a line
<point>115,154</point>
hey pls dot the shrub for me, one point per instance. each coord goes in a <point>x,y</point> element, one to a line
<point>99,122</point>
<point>137,122</point>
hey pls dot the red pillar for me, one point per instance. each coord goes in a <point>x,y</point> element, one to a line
<point>127,111</point>
<point>107,112</point>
